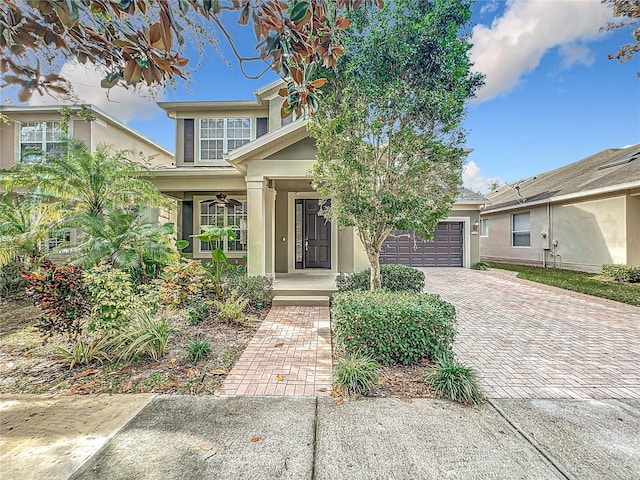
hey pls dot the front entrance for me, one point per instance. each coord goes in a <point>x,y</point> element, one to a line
<point>313,236</point>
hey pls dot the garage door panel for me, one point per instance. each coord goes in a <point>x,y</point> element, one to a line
<point>445,250</point>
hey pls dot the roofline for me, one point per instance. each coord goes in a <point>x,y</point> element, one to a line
<point>172,107</point>
<point>569,196</point>
<point>195,172</point>
<point>269,87</point>
<point>106,116</point>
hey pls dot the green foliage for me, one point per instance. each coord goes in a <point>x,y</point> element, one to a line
<point>112,295</point>
<point>480,266</point>
<point>84,351</point>
<point>145,335</point>
<point>622,273</point>
<point>355,375</point>
<point>392,327</point>
<point>232,308</point>
<point>126,240</point>
<point>215,236</point>
<point>11,281</point>
<point>199,349</point>
<point>256,289</point>
<point>60,294</point>
<point>395,278</point>
<point>183,280</point>
<point>588,283</point>
<point>455,381</point>
<point>389,133</point>
<point>198,309</point>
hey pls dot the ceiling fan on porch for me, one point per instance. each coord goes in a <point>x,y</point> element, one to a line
<point>221,199</point>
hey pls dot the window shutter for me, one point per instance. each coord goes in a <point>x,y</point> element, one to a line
<point>188,140</point>
<point>187,224</point>
<point>262,126</point>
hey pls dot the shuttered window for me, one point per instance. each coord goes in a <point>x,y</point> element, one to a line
<point>188,140</point>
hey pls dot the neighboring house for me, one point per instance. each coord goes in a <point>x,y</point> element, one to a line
<point>244,151</point>
<point>32,131</point>
<point>576,217</point>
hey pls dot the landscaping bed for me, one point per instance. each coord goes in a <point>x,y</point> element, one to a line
<point>582,282</point>
<point>28,366</point>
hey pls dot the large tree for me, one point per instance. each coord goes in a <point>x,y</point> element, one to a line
<point>628,14</point>
<point>390,143</point>
<point>135,41</point>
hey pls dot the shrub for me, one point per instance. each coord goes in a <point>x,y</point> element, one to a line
<point>395,278</point>
<point>199,349</point>
<point>84,351</point>
<point>391,328</point>
<point>256,289</point>
<point>355,375</point>
<point>480,266</point>
<point>183,280</point>
<point>145,335</point>
<point>622,273</point>
<point>111,292</point>
<point>11,281</point>
<point>60,294</point>
<point>455,381</point>
<point>198,309</point>
<point>232,308</point>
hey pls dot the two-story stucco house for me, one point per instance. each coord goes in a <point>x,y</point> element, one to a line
<point>238,163</point>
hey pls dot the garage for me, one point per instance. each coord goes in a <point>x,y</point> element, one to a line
<point>445,250</point>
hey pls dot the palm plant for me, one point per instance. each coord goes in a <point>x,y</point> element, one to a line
<point>125,239</point>
<point>215,235</point>
<point>26,222</point>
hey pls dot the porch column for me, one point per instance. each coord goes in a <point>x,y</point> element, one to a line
<point>256,238</point>
<point>270,230</point>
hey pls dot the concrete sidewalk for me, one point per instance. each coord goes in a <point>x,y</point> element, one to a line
<point>174,437</point>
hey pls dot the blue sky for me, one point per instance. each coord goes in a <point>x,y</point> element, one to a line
<point>551,97</point>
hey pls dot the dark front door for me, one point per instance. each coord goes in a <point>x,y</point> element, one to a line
<point>313,236</point>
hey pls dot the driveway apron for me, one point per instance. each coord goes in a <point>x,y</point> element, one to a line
<point>529,340</point>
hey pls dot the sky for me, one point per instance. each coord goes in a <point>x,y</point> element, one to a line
<point>551,97</point>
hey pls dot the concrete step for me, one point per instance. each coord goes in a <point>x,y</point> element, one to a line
<point>300,301</point>
<point>303,292</point>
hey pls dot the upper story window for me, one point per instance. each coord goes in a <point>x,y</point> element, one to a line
<point>39,139</point>
<point>484,227</point>
<point>221,135</point>
<point>521,229</point>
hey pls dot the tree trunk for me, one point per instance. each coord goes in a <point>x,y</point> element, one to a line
<point>375,282</point>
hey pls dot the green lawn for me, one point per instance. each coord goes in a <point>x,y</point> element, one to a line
<point>589,283</point>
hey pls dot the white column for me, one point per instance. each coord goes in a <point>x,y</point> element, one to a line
<point>256,252</point>
<point>270,231</point>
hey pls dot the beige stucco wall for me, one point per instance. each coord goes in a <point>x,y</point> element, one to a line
<point>588,233</point>
<point>6,144</point>
<point>633,229</point>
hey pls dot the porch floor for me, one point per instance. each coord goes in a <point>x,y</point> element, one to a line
<point>290,355</point>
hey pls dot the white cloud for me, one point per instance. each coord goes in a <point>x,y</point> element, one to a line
<point>124,104</point>
<point>515,42</point>
<point>489,7</point>
<point>473,179</point>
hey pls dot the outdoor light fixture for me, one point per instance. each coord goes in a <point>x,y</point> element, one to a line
<point>474,229</point>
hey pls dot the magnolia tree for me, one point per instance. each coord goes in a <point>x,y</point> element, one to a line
<point>144,41</point>
<point>388,130</point>
<point>627,13</point>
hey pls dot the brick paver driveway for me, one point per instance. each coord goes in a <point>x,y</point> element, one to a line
<point>528,340</point>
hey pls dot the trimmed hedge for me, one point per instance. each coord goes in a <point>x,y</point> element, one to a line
<point>392,328</point>
<point>395,278</point>
<point>257,289</point>
<point>622,273</point>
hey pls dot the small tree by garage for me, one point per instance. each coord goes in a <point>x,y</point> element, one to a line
<point>388,133</point>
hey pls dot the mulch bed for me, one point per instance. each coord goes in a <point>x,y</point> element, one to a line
<point>405,382</point>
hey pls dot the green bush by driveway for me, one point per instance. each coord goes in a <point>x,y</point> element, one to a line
<point>395,278</point>
<point>392,327</point>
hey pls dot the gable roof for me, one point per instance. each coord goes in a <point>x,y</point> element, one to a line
<point>467,196</point>
<point>611,170</point>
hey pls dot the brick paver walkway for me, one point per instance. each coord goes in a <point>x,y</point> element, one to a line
<point>528,340</point>
<point>290,354</point>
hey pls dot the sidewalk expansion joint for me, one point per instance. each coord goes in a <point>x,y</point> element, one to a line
<point>547,456</point>
<point>315,442</point>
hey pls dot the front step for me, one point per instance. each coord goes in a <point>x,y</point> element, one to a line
<point>300,301</point>
<point>303,292</point>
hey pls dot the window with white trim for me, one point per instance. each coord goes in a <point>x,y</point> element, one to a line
<point>39,139</point>
<point>484,227</point>
<point>521,229</point>
<point>211,213</point>
<point>221,135</point>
